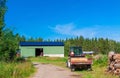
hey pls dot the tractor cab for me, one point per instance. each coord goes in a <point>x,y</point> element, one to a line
<point>75,51</point>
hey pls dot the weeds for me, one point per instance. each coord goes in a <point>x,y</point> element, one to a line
<point>102,61</point>
<point>15,70</point>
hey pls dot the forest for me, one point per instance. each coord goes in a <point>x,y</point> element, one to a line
<point>9,41</point>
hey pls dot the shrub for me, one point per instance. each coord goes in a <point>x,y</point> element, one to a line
<point>20,59</point>
<point>102,61</point>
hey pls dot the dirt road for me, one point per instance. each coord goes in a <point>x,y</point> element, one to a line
<point>51,71</point>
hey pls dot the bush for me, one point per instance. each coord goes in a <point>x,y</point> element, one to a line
<point>20,59</point>
<point>102,61</point>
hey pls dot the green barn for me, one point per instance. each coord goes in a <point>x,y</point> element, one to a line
<point>52,49</point>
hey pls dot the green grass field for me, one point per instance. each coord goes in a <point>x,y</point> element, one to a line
<point>98,67</point>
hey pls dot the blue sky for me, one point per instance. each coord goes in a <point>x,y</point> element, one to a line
<point>51,19</point>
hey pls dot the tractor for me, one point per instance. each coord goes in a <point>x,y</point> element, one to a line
<point>76,59</point>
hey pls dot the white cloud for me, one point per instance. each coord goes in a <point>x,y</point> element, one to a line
<point>64,29</point>
<point>71,30</point>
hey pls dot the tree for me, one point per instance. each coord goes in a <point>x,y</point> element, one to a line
<point>31,39</point>
<point>2,13</point>
<point>2,24</point>
<point>22,38</point>
<point>67,46</point>
<point>98,45</point>
<point>8,46</point>
<point>39,39</point>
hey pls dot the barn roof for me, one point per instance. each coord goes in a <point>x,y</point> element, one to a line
<point>41,44</point>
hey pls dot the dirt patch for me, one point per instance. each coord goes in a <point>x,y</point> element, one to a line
<point>51,71</point>
<point>35,64</point>
<point>44,63</point>
<point>76,76</point>
<point>60,69</point>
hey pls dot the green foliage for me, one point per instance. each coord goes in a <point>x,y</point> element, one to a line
<point>2,13</point>
<point>101,61</point>
<point>31,39</point>
<point>19,59</point>
<point>88,56</point>
<point>98,45</point>
<point>16,70</point>
<point>10,44</point>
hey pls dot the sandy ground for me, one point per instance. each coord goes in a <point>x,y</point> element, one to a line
<point>51,71</point>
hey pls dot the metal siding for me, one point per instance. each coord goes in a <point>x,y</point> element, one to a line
<point>27,51</point>
<point>30,50</point>
<point>54,50</point>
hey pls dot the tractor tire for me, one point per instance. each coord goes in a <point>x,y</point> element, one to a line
<point>72,68</point>
<point>89,68</point>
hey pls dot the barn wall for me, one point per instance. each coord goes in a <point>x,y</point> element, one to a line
<point>27,51</point>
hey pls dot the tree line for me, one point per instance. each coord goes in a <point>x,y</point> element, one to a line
<point>9,41</point>
<point>98,45</point>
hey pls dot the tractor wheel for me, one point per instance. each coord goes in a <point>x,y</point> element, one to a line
<point>89,68</point>
<point>72,68</point>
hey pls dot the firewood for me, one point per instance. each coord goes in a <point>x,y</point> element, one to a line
<point>117,61</point>
<point>110,55</point>
<point>117,72</point>
<point>117,66</point>
<point>114,64</point>
<point>116,56</point>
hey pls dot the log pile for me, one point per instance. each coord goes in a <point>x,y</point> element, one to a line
<point>114,63</point>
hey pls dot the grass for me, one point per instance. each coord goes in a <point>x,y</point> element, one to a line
<point>50,60</point>
<point>16,70</point>
<point>99,69</point>
<point>99,66</point>
<point>98,72</point>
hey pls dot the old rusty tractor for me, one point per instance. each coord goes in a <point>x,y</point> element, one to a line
<point>76,59</point>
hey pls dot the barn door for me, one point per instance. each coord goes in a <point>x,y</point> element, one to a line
<point>38,52</point>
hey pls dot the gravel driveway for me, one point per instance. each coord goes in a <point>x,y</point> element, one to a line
<point>51,71</point>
